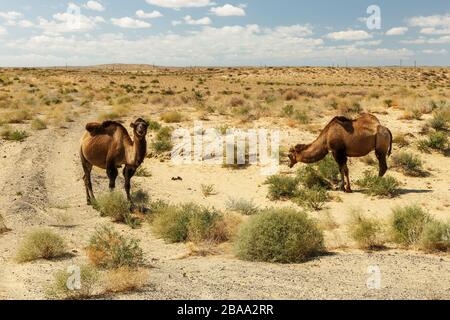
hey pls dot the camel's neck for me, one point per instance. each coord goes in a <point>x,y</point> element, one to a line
<point>316,151</point>
<point>137,150</point>
<point>140,149</point>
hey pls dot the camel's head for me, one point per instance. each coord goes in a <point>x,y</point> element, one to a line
<point>140,127</point>
<point>295,154</point>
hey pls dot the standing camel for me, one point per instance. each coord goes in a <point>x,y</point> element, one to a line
<point>108,146</point>
<point>347,138</point>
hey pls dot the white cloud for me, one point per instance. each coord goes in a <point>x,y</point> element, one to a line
<point>3,30</point>
<point>200,22</point>
<point>431,51</point>
<point>399,31</point>
<point>228,10</point>
<point>68,22</point>
<point>430,21</point>
<point>349,35</point>
<point>434,31</point>
<point>11,15</point>
<point>295,30</point>
<point>20,23</point>
<point>177,4</point>
<point>148,15</point>
<point>130,23</point>
<point>238,45</point>
<point>177,23</point>
<point>422,40</point>
<point>94,5</point>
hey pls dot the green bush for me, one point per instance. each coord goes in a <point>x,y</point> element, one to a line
<point>329,169</point>
<point>435,237</point>
<point>109,250</point>
<point>38,124</point>
<point>310,178</point>
<point>153,125</point>
<point>379,186</point>
<point>279,235</point>
<point>242,206</point>
<point>437,141</point>
<point>163,142</point>
<point>15,135</point>
<point>313,199</point>
<point>116,206</point>
<point>188,222</point>
<point>365,231</point>
<point>59,290</point>
<point>439,121</point>
<point>282,187</point>
<point>410,164</point>
<point>41,244</point>
<point>408,223</point>
<point>172,117</point>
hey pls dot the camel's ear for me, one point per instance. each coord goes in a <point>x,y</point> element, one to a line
<point>132,125</point>
<point>299,148</point>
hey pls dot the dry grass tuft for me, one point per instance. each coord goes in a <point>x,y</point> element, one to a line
<point>126,279</point>
<point>41,244</point>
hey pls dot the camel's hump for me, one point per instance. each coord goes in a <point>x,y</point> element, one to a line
<point>96,128</point>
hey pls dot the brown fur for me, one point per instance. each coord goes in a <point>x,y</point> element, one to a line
<point>108,146</point>
<point>347,138</point>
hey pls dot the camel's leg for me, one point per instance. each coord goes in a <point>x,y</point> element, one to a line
<point>128,173</point>
<point>87,168</point>
<point>348,189</point>
<point>383,163</point>
<point>339,158</point>
<point>112,173</point>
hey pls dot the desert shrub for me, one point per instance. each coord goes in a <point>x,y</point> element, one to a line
<point>400,140</point>
<point>163,142</point>
<point>439,121</point>
<point>140,198</point>
<point>172,117</point>
<point>435,237</point>
<point>437,141</point>
<point>59,290</point>
<point>279,235</point>
<point>407,224</point>
<point>109,250</point>
<point>41,244</point>
<point>143,172</point>
<point>379,186</point>
<point>237,102</point>
<point>15,135</point>
<point>301,116</point>
<point>367,232</point>
<point>288,110</point>
<point>125,280</point>
<point>116,206</point>
<point>410,164</point>
<point>153,125</point>
<point>242,206</point>
<point>310,178</point>
<point>329,169</point>
<point>38,124</point>
<point>282,187</point>
<point>188,222</point>
<point>208,190</point>
<point>313,198</point>
<point>17,116</point>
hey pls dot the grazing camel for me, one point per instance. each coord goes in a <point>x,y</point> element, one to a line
<point>347,138</point>
<point>108,146</point>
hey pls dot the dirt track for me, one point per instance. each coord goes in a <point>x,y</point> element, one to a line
<point>40,183</point>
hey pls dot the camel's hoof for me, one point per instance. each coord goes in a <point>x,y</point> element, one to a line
<point>348,191</point>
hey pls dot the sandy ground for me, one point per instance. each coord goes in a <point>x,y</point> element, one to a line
<point>41,185</point>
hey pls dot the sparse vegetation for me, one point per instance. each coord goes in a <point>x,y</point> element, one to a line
<point>163,142</point>
<point>172,117</point>
<point>41,244</point>
<point>109,250</point>
<point>208,190</point>
<point>282,187</point>
<point>437,141</point>
<point>189,222</point>
<point>13,135</point>
<point>387,187</point>
<point>115,205</point>
<point>409,164</point>
<point>407,224</point>
<point>125,279</point>
<point>89,281</point>
<point>313,198</point>
<point>279,235</point>
<point>367,232</point>
<point>436,237</point>
<point>242,206</point>
<point>38,124</point>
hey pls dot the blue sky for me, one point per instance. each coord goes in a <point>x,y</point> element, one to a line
<point>224,33</point>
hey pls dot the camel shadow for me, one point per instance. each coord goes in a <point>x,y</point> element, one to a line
<point>413,191</point>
